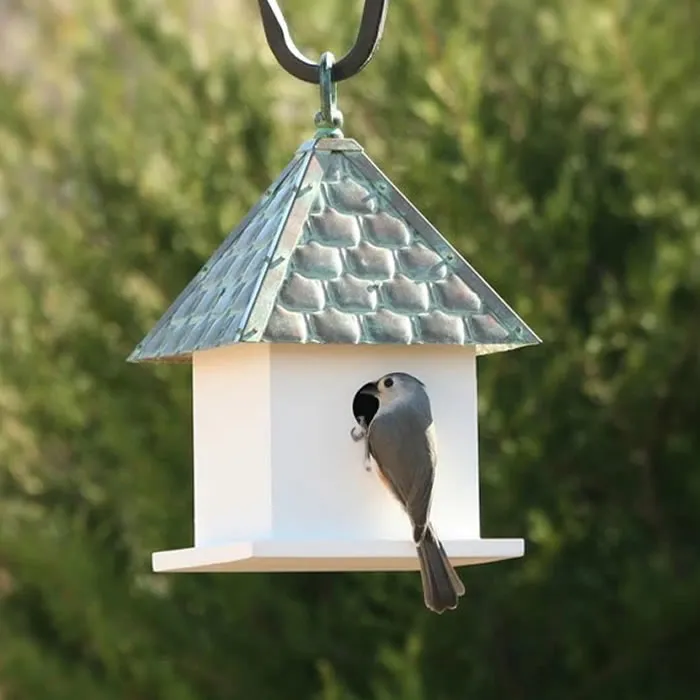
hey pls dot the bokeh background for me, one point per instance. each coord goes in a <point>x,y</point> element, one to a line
<point>555,142</point>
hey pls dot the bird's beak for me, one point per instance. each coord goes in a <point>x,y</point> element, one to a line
<point>371,389</point>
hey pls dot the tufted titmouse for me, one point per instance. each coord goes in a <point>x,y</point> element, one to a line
<point>400,437</point>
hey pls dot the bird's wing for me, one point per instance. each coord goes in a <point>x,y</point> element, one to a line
<point>404,450</point>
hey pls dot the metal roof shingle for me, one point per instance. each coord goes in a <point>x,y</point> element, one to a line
<point>334,253</point>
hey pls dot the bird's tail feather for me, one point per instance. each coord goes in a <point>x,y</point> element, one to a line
<point>442,586</point>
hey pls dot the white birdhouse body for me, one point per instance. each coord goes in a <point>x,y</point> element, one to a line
<point>333,280</point>
<point>273,456</point>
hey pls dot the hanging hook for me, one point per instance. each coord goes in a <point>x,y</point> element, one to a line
<point>329,119</point>
<point>295,63</point>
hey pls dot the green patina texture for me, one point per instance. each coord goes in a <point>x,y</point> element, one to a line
<point>334,253</point>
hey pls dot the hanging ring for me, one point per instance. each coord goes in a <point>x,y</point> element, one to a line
<point>330,117</point>
<point>296,64</point>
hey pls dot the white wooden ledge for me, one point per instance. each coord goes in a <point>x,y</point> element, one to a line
<point>319,555</point>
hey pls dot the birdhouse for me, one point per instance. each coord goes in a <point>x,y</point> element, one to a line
<point>332,280</point>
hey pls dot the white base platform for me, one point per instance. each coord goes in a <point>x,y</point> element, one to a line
<point>316,555</point>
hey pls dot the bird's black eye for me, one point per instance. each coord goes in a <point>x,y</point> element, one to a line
<point>388,383</point>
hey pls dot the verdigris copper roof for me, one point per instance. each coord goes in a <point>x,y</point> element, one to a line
<point>334,253</point>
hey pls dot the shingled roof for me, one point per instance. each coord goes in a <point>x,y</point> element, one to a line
<point>334,253</point>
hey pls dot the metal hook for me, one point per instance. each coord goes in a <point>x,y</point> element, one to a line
<point>295,63</point>
<point>329,118</point>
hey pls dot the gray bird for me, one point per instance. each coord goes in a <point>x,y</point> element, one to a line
<point>400,437</point>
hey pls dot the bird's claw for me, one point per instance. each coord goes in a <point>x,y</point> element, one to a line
<point>358,434</point>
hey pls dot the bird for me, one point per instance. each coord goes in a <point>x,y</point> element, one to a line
<point>395,419</point>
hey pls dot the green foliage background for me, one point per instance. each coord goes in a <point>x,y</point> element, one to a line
<point>556,141</point>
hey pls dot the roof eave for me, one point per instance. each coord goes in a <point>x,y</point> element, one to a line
<point>186,357</point>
